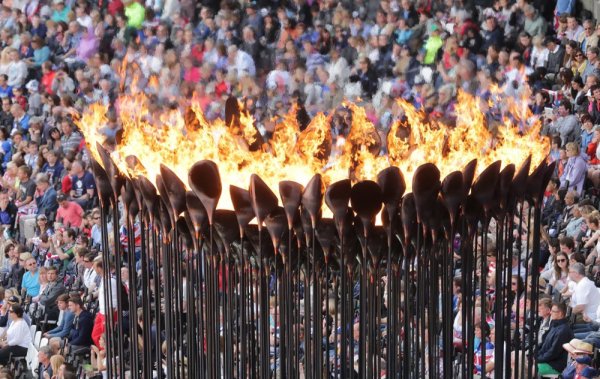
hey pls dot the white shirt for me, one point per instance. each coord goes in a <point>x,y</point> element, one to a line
<point>573,35</point>
<point>586,293</point>
<point>244,64</point>
<point>338,71</point>
<point>61,315</point>
<point>539,57</point>
<point>18,334</point>
<point>102,302</point>
<point>17,72</point>
<point>89,278</point>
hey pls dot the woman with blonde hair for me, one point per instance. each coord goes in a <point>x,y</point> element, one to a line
<point>55,362</point>
<point>42,279</point>
<point>539,53</point>
<point>4,60</point>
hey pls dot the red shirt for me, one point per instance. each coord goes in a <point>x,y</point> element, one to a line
<point>71,215</point>
<point>222,88</point>
<point>115,6</point>
<point>66,184</point>
<point>192,75</point>
<point>47,80</point>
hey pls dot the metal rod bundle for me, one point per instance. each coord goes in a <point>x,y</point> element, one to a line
<point>366,293</point>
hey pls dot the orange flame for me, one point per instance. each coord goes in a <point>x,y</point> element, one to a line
<point>179,139</point>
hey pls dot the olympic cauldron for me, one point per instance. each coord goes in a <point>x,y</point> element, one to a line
<point>333,278</point>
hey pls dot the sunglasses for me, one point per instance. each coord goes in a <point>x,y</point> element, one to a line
<point>514,283</point>
<point>561,260</point>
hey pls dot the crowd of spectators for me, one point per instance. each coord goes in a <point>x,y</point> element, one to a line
<point>58,57</point>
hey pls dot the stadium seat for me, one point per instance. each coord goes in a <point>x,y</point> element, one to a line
<point>33,329</point>
<point>37,338</point>
<point>32,358</point>
<point>44,342</point>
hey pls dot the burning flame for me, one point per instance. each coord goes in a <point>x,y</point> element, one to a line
<point>179,139</point>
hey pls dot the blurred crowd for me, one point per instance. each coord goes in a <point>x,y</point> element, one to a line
<point>57,57</point>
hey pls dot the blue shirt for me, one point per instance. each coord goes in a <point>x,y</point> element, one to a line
<point>31,283</point>
<point>586,138</point>
<point>564,7</point>
<point>40,56</point>
<point>22,124</point>
<point>6,91</point>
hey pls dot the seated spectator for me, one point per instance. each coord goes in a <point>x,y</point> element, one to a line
<point>69,213</point>
<point>5,319</point>
<point>25,194</point>
<point>45,368</point>
<point>64,250</point>
<point>575,170</point>
<point>53,167</point>
<point>18,269</point>
<point>545,313</point>
<point>81,334</point>
<point>30,282</point>
<point>90,278</point>
<point>46,198</point>
<point>551,358</point>
<point>98,356</point>
<point>65,319</point>
<point>84,185</point>
<point>50,294</point>
<point>43,281</point>
<point>18,336</point>
<point>56,362</point>
<point>580,357</point>
<point>575,225</point>
<point>71,139</point>
<point>585,298</point>
<point>8,212</point>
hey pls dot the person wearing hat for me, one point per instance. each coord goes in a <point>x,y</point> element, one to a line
<point>580,352</point>
<point>575,369</point>
<point>433,45</point>
<point>551,358</point>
